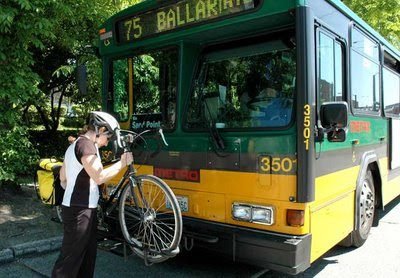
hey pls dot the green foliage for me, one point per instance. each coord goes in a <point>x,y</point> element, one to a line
<point>76,117</point>
<point>17,155</point>
<point>382,15</point>
<point>41,43</point>
<point>51,144</point>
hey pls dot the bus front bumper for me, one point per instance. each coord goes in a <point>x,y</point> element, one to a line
<point>284,253</point>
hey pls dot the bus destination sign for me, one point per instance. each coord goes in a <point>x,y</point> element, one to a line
<point>177,15</point>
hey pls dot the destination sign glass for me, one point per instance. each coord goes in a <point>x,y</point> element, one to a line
<point>180,14</point>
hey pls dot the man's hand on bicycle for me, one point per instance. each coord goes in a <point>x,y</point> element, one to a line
<point>126,159</point>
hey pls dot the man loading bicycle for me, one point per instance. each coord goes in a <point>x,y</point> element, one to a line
<point>81,174</point>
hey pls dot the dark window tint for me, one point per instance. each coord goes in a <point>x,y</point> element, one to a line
<point>247,87</point>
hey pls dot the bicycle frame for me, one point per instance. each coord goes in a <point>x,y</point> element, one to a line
<point>109,205</point>
<point>117,198</point>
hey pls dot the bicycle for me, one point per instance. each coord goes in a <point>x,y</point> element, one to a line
<point>149,215</point>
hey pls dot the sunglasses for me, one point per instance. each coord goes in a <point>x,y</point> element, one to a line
<point>108,134</point>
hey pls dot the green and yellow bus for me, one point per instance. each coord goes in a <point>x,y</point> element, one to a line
<point>282,119</point>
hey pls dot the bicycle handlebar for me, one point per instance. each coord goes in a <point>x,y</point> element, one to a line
<point>130,137</point>
<point>160,131</point>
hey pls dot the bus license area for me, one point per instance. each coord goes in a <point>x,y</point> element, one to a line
<point>183,202</point>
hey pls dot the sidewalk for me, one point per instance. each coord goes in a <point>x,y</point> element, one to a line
<point>25,226</point>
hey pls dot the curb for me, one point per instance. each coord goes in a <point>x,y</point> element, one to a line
<point>29,248</point>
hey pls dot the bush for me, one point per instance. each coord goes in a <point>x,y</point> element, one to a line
<point>18,155</point>
<point>74,122</point>
<point>51,144</point>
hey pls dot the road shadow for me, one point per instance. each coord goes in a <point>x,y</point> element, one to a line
<point>388,207</point>
<point>24,218</point>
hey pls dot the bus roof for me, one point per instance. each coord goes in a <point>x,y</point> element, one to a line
<point>350,14</point>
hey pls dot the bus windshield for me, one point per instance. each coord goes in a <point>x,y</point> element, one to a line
<point>245,87</point>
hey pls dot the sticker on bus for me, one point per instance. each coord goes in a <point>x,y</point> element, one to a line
<point>183,202</point>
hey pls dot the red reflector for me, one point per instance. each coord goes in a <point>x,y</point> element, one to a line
<point>102,31</point>
<point>295,217</point>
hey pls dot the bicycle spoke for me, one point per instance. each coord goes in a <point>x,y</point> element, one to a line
<point>141,195</point>
<point>156,198</point>
<point>157,234</point>
<point>166,225</point>
<point>165,233</point>
<point>141,226</point>
<point>155,241</point>
<point>132,227</point>
<point>143,229</point>
<point>171,218</point>
<point>162,205</point>
<point>132,215</point>
<point>150,193</point>
<point>164,244</point>
<point>166,212</point>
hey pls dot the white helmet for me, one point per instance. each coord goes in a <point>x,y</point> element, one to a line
<point>102,119</point>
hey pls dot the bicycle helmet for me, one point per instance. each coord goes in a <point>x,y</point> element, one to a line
<point>102,119</point>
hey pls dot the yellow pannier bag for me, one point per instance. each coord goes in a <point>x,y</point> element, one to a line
<point>46,175</point>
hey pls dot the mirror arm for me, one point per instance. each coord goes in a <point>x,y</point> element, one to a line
<point>319,134</point>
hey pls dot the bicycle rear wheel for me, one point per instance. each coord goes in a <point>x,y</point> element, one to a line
<point>150,218</point>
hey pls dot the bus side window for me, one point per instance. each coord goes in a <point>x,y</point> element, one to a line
<point>365,72</point>
<point>391,86</point>
<point>330,69</point>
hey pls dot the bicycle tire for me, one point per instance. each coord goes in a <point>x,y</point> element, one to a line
<point>151,228</point>
<point>36,185</point>
<point>59,213</point>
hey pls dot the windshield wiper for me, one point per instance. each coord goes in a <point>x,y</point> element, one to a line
<point>217,139</point>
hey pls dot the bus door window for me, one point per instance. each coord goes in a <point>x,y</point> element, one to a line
<point>391,104</point>
<point>365,96</point>
<point>391,86</point>
<point>119,89</point>
<point>155,77</point>
<point>330,83</point>
<point>245,87</point>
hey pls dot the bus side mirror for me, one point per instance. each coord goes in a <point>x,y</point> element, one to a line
<point>334,120</point>
<point>81,79</point>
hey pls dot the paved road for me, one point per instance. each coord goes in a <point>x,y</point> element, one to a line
<point>379,257</point>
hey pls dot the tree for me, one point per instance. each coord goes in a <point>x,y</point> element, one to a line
<point>382,15</point>
<point>41,42</point>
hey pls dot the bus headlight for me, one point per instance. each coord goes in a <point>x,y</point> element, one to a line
<point>263,215</point>
<point>253,213</point>
<point>241,212</point>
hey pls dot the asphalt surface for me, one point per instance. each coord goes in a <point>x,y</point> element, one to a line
<point>378,257</point>
<point>109,264</point>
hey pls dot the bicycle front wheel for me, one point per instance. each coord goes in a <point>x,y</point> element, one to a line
<point>150,218</point>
